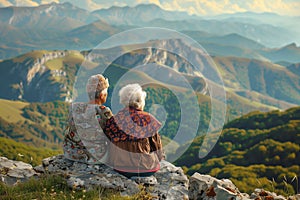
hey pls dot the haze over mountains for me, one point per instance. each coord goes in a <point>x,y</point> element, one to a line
<point>65,26</point>
<point>239,43</point>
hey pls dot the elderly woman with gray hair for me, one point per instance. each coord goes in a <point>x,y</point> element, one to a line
<point>136,147</point>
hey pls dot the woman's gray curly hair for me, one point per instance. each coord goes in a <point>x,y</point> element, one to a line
<point>133,95</point>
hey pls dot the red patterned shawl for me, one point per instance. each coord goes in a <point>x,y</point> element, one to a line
<point>131,124</point>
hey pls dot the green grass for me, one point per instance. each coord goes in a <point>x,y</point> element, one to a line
<point>72,58</point>
<point>55,64</point>
<point>32,54</point>
<point>11,111</point>
<point>54,187</point>
<point>18,151</point>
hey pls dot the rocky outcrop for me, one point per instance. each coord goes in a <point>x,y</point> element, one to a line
<point>168,183</point>
<point>205,187</point>
<point>172,183</point>
<point>12,172</point>
<point>30,77</point>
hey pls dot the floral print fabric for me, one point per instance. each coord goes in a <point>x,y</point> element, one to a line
<point>84,139</point>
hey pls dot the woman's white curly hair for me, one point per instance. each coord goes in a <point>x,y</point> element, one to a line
<point>133,95</point>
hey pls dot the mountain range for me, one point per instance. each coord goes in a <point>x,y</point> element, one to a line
<point>255,76</point>
<point>43,76</point>
<point>49,76</point>
<point>65,26</point>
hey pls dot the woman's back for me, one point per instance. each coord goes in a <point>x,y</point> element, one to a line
<point>136,145</point>
<point>84,139</point>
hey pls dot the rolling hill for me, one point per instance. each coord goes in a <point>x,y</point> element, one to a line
<point>46,76</point>
<point>36,124</point>
<point>253,151</point>
<point>265,78</point>
<point>289,53</point>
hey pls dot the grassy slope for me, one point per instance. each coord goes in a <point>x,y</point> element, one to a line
<point>264,77</point>
<point>37,124</point>
<point>18,151</point>
<point>11,111</point>
<point>72,59</point>
<point>32,54</point>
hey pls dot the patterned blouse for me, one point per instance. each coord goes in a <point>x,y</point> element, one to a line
<point>84,138</point>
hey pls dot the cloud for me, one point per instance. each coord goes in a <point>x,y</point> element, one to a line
<point>198,7</point>
<point>25,3</point>
<point>277,6</point>
<point>4,3</point>
<point>49,1</point>
<point>214,7</point>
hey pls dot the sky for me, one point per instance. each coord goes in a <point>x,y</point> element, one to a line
<point>198,7</point>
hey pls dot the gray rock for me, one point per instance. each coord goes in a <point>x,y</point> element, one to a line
<point>39,169</point>
<point>13,172</point>
<point>206,187</point>
<point>295,197</point>
<point>172,183</point>
<point>263,194</point>
<point>22,166</point>
<point>6,164</point>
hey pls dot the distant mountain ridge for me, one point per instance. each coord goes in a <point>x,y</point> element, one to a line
<point>64,26</point>
<point>38,17</point>
<point>290,52</point>
<point>138,14</point>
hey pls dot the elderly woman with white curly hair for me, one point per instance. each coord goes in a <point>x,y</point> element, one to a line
<point>137,147</point>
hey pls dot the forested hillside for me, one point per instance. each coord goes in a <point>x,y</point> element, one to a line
<point>36,124</point>
<point>256,150</point>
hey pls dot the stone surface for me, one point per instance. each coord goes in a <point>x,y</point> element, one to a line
<point>172,183</point>
<point>206,187</point>
<point>266,195</point>
<point>12,172</point>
